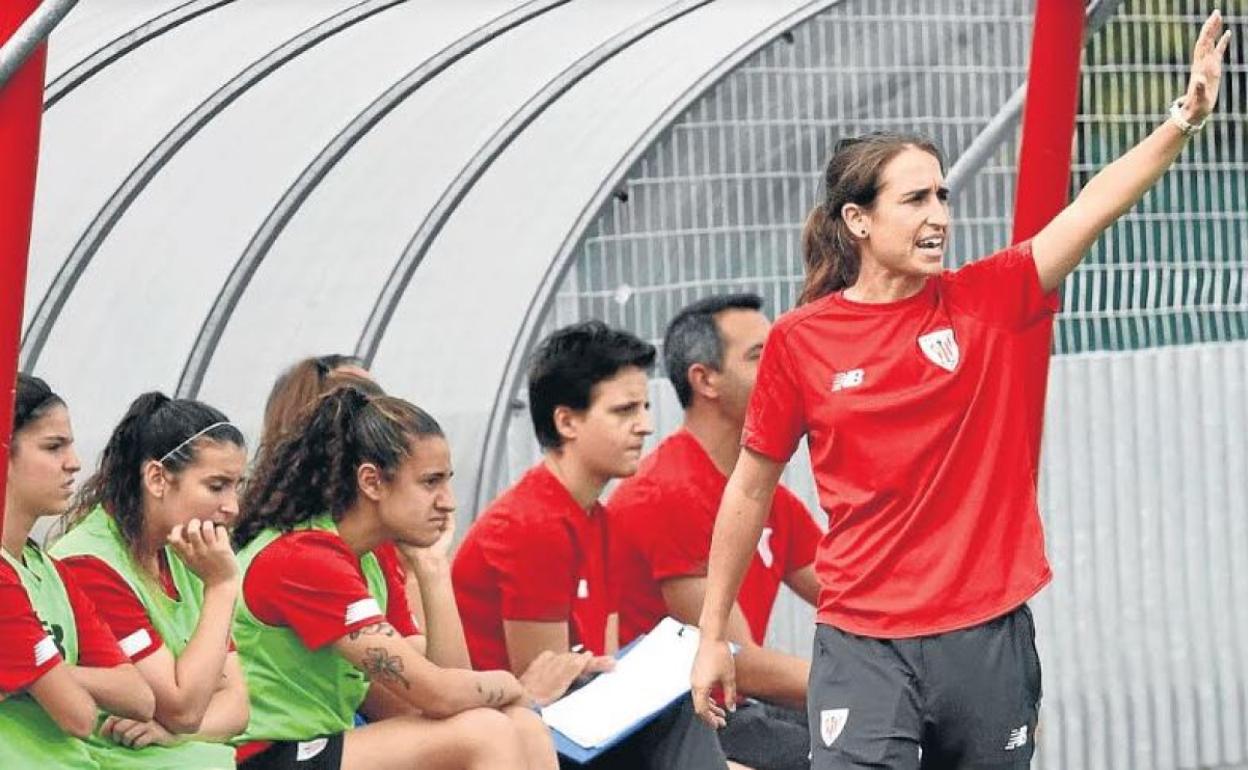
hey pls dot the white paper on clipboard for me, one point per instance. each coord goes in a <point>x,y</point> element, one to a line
<point>654,673</point>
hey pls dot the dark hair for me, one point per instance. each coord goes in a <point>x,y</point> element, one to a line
<point>853,175</point>
<point>570,362</point>
<point>693,338</point>
<point>311,469</point>
<point>297,389</point>
<point>155,427</point>
<point>33,400</point>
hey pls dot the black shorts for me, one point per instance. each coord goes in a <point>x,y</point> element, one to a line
<point>765,736</point>
<point>964,699</point>
<point>324,753</point>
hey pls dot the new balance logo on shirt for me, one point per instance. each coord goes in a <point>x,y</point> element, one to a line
<point>1018,738</point>
<point>847,379</point>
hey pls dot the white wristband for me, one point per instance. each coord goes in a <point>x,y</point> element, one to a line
<point>1180,122</point>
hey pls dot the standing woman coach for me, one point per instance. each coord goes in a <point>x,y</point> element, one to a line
<point>911,382</point>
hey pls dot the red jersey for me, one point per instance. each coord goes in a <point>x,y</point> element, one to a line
<point>537,555</point>
<point>919,420</point>
<point>118,605</point>
<point>28,651</point>
<point>661,524</point>
<point>310,581</point>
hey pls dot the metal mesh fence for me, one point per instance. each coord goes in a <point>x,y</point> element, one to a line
<point>1142,487</point>
<point>717,204</point>
<point>1172,271</point>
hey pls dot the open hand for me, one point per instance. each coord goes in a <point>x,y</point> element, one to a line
<point>1202,88</point>
<point>550,674</point>
<point>713,666</point>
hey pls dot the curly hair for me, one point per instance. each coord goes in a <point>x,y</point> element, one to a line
<point>155,427</point>
<point>312,468</point>
<point>296,390</point>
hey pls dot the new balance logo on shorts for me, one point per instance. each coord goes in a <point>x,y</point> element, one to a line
<point>848,379</point>
<point>1018,738</point>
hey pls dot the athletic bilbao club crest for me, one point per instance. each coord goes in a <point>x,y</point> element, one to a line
<point>940,348</point>
<point>831,723</point>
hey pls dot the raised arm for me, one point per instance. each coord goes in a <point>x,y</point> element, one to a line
<point>445,643</point>
<point>228,709</point>
<point>391,661</point>
<point>742,513</point>
<point>185,685</point>
<point>1062,244</point>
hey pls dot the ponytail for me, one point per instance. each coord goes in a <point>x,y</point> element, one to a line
<point>830,255</point>
<point>311,469</point>
<point>854,174</point>
<point>155,427</point>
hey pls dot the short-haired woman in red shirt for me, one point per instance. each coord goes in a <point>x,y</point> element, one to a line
<point>917,388</point>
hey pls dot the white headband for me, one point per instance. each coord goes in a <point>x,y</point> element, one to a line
<point>179,447</point>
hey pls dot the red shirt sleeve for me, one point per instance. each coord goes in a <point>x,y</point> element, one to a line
<point>28,651</point>
<point>97,646</point>
<point>118,607</point>
<point>775,420</point>
<point>679,539</point>
<point>536,566</point>
<point>311,583</point>
<point>1003,289</point>
<point>804,533</point>
<point>398,611</point>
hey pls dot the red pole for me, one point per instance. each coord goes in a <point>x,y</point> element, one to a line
<point>1044,161</point>
<point>21,109</point>
<point>1049,115</point>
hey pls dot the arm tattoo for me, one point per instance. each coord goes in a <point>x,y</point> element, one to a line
<point>380,665</point>
<point>493,698</point>
<point>376,629</point>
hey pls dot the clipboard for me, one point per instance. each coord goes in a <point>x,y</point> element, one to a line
<point>653,671</point>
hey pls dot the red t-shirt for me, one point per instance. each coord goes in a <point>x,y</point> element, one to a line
<point>30,648</point>
<point>537,555</point>
<point>661,524</point>
<point>311,582</point>
<point>118,606</point>
<point>921,432</point>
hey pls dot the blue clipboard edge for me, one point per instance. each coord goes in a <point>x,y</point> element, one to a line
<point>570,749</point>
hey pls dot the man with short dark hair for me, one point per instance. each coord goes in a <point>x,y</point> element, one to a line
<point>662,519</point>
<point>531,576</point>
